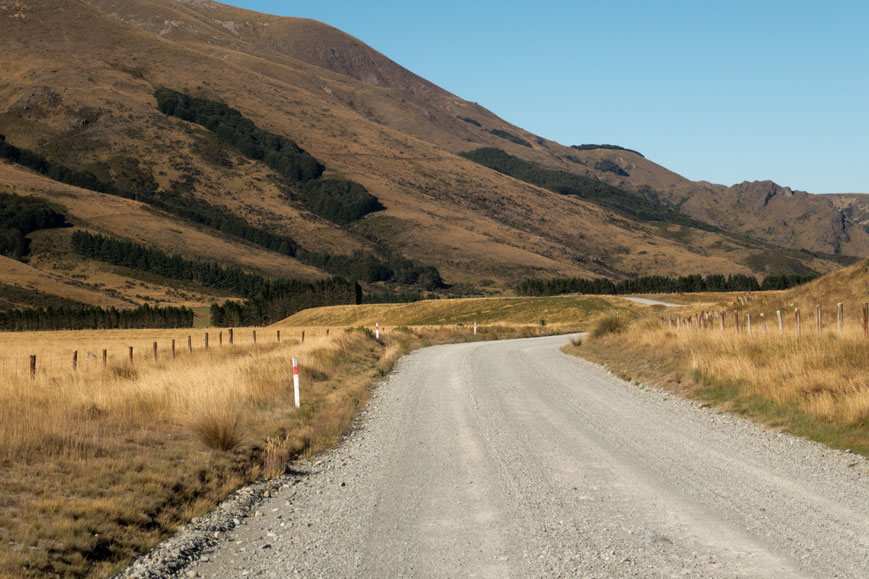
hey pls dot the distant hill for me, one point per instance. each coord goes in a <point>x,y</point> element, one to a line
<point>79,87</point>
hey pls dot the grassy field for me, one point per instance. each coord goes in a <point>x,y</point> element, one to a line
<point>570,310</point>
<point>100,463</point>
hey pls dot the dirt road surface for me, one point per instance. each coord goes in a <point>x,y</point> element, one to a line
<point>512,459</point>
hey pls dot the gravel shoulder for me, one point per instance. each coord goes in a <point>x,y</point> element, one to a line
<point>511,458</point>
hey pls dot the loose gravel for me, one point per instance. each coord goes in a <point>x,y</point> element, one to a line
<point>513,459</point>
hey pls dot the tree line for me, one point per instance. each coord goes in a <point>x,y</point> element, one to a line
<point>622,201</point>
<point>658,284</point>
<point>20,216</point>
<point>283,298</point>
<point>94,318</point>
<point>268,300</point>
<point>591,147</point>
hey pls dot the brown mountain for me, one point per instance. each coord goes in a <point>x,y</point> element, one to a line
<point>78,88</point>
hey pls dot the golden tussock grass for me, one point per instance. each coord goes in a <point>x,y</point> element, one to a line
<point>815,385</point>
<point>99,464</point>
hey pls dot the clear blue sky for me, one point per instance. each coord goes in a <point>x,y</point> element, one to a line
<point>721,91</point>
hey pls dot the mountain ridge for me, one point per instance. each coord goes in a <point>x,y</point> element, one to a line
<point>81,91</point>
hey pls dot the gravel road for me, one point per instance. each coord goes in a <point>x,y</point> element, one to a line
<point>649,302</point>
<point>512,459</point>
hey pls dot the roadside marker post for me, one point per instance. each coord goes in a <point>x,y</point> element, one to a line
<point>296,381</point>
<point>797,316</point>
<point>748,324</point>
<point>781,328</point>
<point>475,328</point>
<point>377,331</point>
<point>763,323</point>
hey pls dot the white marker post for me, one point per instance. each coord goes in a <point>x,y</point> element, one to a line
<point>296,381</point>
<point>377,331</point>
<point>475,328</point>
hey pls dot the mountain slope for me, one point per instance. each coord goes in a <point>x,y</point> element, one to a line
<point>78,88</point>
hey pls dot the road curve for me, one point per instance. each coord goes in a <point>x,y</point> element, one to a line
<point>512,459</point>
<point>649,302</point>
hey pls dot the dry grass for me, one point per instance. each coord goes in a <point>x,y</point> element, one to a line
<point>100,463</point>
<point>815,385</point>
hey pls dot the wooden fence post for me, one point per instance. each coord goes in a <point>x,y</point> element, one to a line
<point>797,316</point>
<point>840,318</point>
<point>303,336</point>
<point>189,344</point>
<point>819,319</point>
<point>131,353</point>
<point>32,366</point>
<point>721,319</point>
<point>279,336</point>
<point>230,337</point>
<point>173,348</point>
<point>781,328</point>
<point>206,340</point>
<point>105,358</point>
<point>327,331</point>
<point>75,359</point>
<point>220,338</point>
<point>254,336</point>
<point>866,317</point>
<point>155,351</point>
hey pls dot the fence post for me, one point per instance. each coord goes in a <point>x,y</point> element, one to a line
<point>75,359</point>
<point>797,316</point>
<point>763,323</point>
<point>189,344</point>
<point>721,319</point>
<point>377,331</point>
<point>781,328</point>
<point>475,328</point>
<point>840,318</point>
<point>131,354</point>
<point>220,338</point>
<point>155,351</point>
<point>749,323</point>
<point>279,336</point>
<point>105,358</point>
<point>819,319</point>
<point>33,366</point>
<point>296,381</point>
<point>254,336</point>
<point>230,337</point>
<point>206,340</point>
<point>866,317</point>
<point>303,336</point>
<point>173,348</point>
<point>327,331</point>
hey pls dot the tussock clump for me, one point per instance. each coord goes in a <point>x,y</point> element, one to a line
<point>609,325</point>
<point>217,425</point>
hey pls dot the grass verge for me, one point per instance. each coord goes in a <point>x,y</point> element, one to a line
<point>814,386</point>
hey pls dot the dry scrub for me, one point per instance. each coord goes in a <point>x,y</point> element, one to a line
<point>100,464</point>
<point>815,386</point>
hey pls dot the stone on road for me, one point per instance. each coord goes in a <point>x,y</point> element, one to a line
<point>512,459</point>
